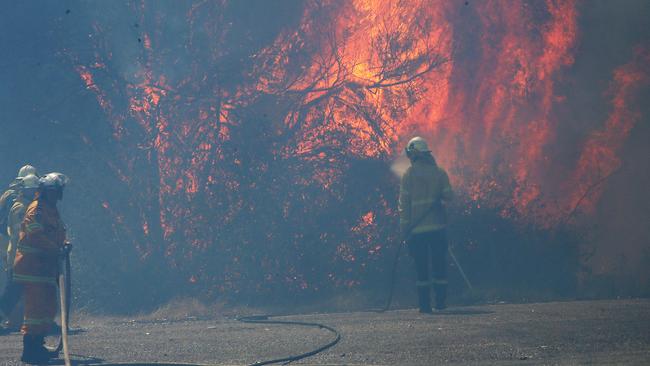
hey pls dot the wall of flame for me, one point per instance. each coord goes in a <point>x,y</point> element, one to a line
<point>233,126</point>
<point>486,83</point>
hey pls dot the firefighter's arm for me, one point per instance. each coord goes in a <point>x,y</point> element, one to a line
<point>14,224</point>
<point>13,229</point>
<point>405,203</point>
<point>447,192</point>
<point>4,201</point>
<point>66,248</point>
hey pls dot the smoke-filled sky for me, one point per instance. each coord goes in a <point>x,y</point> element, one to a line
<point>248,144</point>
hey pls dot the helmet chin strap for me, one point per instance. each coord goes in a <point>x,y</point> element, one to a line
<point>411,152</point>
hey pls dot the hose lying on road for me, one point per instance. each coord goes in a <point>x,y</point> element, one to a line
<point>65,287</point>
<point>257,319</point>
<point>265,319</point>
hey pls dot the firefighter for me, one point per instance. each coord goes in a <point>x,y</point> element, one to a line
<point>6,202</point>
<point>424,189</point>
<point>26,194</point>
<point>41,242</point>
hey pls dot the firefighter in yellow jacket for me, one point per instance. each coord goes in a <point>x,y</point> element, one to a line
<point>42,239</point>
<point>26,191</point>
<point>7,200</point>
<point>424,189</point>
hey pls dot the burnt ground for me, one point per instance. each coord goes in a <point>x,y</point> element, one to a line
<point>565,333</point>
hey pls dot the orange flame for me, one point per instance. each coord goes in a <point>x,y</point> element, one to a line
<point>353,80</point>
<point>599,158</point>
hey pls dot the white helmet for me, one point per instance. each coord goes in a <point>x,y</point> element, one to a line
<point>53,181</point>
<point>30,182</point>
<point>27,170</point>
<point>417,145</point>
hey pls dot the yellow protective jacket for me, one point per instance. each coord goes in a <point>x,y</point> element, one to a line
<point>6,201</point>
<point>423,189</point>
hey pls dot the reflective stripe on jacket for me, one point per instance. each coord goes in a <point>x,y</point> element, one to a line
<point>423,188</point>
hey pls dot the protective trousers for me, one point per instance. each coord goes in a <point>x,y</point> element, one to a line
<point>429,252</point>
<point>35,272</point>
<point>40,308</point>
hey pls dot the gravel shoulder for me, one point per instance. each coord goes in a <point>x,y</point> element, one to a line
<point>558,333</point>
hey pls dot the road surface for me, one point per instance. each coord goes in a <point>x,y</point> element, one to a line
<point>558,333</point>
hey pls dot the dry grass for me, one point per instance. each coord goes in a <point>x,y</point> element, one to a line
<point>187,308</point>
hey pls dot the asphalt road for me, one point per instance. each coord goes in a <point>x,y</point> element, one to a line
<point>560,333</point>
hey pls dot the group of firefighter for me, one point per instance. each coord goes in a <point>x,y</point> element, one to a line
<point>36,242</point>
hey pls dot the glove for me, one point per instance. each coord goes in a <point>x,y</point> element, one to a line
<point>66,249</point>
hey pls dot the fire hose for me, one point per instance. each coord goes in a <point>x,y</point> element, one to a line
<point>64,296</point>
<point>265,319</point>
<point>65,299</point>
<point>256,319</point>
<point>65,287</point>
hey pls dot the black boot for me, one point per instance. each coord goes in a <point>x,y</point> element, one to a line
<point>441,296</point>
<point>51,354</point>
<point>424,299</point>
<point>34,351</point>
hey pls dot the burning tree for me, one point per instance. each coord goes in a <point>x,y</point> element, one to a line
<point>245,150</point>
<point>245,169</point>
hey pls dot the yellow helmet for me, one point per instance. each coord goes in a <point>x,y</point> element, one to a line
<point>27,170</point>
<point>29,182</point>
<point>416,145</point>
<point>53,181</point>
